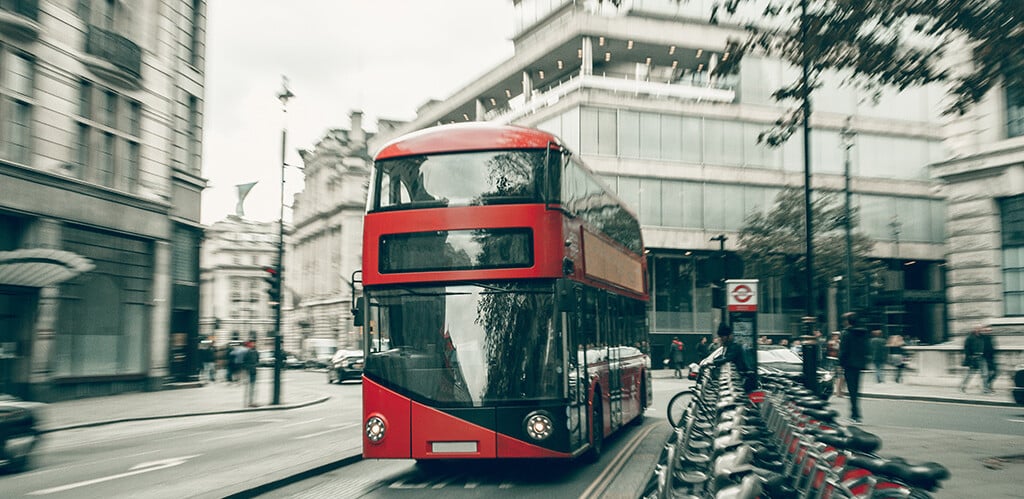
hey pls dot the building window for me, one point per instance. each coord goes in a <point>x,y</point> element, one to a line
<point>1012,223</point>
<point>1014,111</point>
<point>193,51</point>
<point>193,135</point>
<point>16,89</point>
<point>109,137</point>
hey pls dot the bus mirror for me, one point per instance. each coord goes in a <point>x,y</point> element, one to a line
<point>357,313</point>
<point>565,293</point>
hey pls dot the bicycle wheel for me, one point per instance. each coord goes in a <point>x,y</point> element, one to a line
<point>677,407</point>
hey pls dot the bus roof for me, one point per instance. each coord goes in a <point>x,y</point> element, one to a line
<point>475,136</point>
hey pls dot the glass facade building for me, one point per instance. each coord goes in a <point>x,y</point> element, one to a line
<point>630,90</point>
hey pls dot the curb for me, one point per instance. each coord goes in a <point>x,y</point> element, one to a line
<point>945,400</point>
<point>297,477</point>
<point>186,414</point>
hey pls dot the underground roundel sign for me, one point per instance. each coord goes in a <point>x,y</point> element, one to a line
<point>741,295</point>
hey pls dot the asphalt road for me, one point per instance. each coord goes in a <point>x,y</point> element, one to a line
<point>217,456</point>
<point>203,456</point>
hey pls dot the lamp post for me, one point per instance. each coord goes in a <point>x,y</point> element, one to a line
<point>722,238</point>
<point>847,135</point>
<point>284,96</point>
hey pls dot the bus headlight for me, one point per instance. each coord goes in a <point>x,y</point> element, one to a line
<point>539,426</point>
<point>375,429</point>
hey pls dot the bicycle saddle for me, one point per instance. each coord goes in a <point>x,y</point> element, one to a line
<point>921,475</point>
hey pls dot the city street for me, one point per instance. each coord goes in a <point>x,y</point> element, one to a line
<point>202,456</point>
<point>313,450</point>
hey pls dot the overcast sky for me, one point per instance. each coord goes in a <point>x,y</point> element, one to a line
<point>383,57</point>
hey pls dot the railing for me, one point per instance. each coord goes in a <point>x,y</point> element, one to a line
<point>553,93</point>
<point>116,49</point>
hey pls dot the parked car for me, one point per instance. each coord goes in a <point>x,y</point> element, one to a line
<point>1018,384</point>
<point>345,364</point>
<point>19,431</point>
<point>776,359</point>
<point>266,358</point>
<point>293,362</point>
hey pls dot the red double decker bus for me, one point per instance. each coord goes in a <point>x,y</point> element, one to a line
<point>503,306</point>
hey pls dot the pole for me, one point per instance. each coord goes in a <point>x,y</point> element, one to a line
<point>284,96</point>
<point>808,223</point>
<point>846,134</point>
<point>810,363</point>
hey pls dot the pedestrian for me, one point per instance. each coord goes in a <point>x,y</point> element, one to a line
<point>234,364</point>
<point>879,354</point>
<point>832,361</point>
<point>676,353</point>
<point>897,355</point>
<point>208,354</point>
<point>988,354</point>
<point>733,352</point>
<point>974,346</point>
<point>853,358</point>
<point>702,348</point>
<point>250,360</point>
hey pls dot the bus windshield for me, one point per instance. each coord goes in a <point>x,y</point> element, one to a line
<point>467,345</point>
<point>459,179</point>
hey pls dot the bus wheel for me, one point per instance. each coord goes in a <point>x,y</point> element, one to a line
<point>593,455</point>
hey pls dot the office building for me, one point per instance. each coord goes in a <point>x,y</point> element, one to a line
<point>628,89</point>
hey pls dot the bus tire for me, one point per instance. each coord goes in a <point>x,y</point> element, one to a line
<point>593,454</point>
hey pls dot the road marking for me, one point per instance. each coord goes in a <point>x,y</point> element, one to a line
<point>289,425</point>
<point>1016,420</point>
<point>317,434</point>
<point>138,469</point>
<point>344,425</point>
<point>604,480</point>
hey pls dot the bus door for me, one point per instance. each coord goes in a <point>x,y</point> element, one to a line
<point>611,333</point>
<point>571,320</point>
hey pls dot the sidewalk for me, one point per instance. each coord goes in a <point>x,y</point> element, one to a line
<point>189,399</point>
<point>919,388</point>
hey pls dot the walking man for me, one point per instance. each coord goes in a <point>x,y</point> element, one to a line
<point>248,372</point>
<point>974,347</point>
<point>879,354</point>
<point>677,356</point>
<point>853,358</point>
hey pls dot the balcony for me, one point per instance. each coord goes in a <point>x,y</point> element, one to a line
<point>693,91</point>
<point>20,18</point>
<point>113,57</point>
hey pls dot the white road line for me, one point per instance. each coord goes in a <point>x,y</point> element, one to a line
<point>135,470</point>
<point>317,434</point>
<point>297,423</point>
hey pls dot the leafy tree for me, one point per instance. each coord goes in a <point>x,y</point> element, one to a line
<point>772,243</point>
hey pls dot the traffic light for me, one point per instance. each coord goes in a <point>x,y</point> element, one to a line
<point>273,279</point>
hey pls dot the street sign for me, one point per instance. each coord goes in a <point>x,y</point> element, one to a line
<point>741,295</point>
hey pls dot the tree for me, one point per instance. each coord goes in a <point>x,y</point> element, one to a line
<point>772,243</point>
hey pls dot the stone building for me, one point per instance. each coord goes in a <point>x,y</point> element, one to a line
<point>101,112</point>
<point>326,242</point>
<point>235,304</point>
<point>983,181</point>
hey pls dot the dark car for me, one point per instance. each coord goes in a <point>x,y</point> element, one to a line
<point>776,359</point>
<point>19,431</point>
<point>1018,384</point>
<point>345,364</point>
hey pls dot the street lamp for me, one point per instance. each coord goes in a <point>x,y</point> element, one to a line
<point>719,294</point>
<point>847,135</point>
<point>284,96</point>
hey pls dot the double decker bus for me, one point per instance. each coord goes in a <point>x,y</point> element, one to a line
<point>503,300</point>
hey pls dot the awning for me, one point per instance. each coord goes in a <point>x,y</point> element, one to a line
<point>39,267</point>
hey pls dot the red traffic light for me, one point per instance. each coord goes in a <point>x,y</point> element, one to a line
<point>270,270</point>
